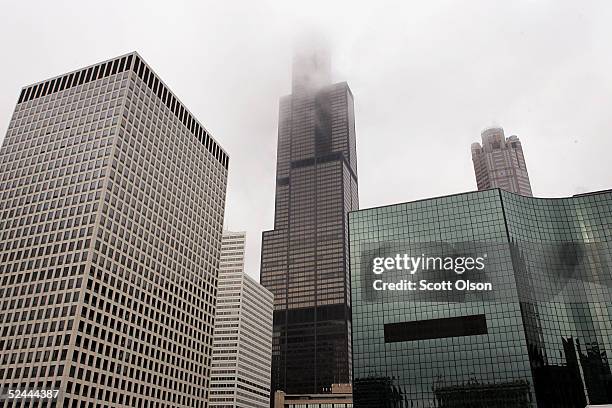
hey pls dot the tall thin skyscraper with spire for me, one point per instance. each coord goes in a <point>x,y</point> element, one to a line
<point>304,259</point>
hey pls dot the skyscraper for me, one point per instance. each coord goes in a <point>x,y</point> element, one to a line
<point>304,258</point>
<point>500,163</point>
<point>242,344</point>
<point>112,200</point>
<point>540,337</point>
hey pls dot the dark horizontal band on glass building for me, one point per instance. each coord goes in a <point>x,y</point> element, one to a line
<point>436,328</point>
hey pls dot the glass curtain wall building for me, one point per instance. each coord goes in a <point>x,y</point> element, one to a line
<point>541,338</point>
<point>304,260</point>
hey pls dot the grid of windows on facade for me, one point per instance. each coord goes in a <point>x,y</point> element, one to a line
<point>242,344</point>
<point>304,261</point>
<point>338,396</point>
<point>319,405</point>
<point>111,213</point>
<point>500,163</point>
<point>541,338</point>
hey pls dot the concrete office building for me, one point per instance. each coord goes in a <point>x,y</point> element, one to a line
<point>112,199</point>
<point>304,259</point>
<point>338,396</point>
<point>242,344</point>
<point>542,337</point>
<point>500,163</point>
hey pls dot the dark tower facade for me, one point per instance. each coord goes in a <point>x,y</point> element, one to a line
<point>304,259</point>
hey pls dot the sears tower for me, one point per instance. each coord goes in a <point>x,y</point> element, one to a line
<point>304,259</point>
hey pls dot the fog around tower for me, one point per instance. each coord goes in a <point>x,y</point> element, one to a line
<point>312,62</point>
<point>427,78</point>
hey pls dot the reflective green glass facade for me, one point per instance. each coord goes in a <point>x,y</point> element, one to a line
<point>544,337</point>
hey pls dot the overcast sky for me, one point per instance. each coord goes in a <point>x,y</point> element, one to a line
<point>427,77</point>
